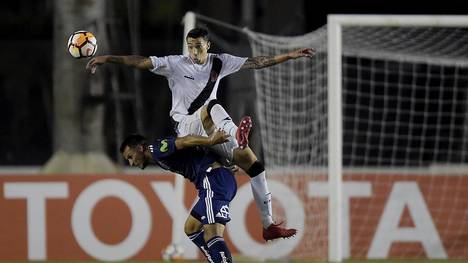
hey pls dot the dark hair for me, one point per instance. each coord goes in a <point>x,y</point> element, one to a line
<point>198,32</point>
<point>132,141</point>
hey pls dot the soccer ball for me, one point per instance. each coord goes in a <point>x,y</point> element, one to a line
<point>82,44</point>
<point>173,252</point>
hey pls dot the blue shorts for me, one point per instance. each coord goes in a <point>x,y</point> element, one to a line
<point>215,191</point>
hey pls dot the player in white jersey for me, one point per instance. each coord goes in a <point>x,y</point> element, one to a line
<point>194,81</point>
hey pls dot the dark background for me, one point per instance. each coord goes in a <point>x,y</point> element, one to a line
<point>26,51</point>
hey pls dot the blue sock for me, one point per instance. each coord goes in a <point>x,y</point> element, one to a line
<point>199,241</point>
<point>219,251</point>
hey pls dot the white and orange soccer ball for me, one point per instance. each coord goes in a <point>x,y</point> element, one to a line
<point>173,252</point>
<point>82,44</point>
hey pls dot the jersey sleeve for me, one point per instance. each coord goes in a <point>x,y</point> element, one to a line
<point>164,147</point>
<point>161,65</point>
<point>231,64</point>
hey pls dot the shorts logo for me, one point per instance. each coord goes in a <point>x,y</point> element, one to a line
<point>223,212</point>
<point>163,147</point>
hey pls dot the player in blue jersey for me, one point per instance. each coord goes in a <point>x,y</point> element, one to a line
<point>193,81</point>
<point>215,184</point>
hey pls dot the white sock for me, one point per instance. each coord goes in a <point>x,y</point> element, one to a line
<point>222,120</point>
<point>262,197</point>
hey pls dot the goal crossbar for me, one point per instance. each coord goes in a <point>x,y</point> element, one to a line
<point>399,20</point>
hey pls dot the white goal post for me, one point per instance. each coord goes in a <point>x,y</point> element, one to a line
<point>335,23</point>
<point>380,110</point>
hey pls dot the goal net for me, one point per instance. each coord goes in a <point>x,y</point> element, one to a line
<point>291,101</point>
<point>403,126</point>
<point>404,129</point>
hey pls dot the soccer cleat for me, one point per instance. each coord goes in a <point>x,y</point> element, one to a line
<point>275,231</point>
<point>242,133</point>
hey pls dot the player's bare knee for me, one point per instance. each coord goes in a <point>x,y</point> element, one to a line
<point>189,229</point>
<point>192,225</point>
<point>212,230</point>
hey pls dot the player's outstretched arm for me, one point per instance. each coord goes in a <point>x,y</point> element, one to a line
<point>267,61</point>
<point>195,140</point>
<point>135,61</point>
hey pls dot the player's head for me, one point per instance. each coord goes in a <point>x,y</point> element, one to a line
<point>134,149</point>
<point>198,44</point>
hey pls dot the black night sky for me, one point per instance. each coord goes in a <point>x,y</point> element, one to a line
<point>27,30</point>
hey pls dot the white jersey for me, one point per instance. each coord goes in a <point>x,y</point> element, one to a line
<point>187,79</point>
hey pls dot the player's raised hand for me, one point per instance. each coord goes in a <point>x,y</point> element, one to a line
<point>218,136</point>
<point>94,62</point>
<point>303,52</point>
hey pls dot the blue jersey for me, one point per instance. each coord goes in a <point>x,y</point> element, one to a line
<point>192,163</point>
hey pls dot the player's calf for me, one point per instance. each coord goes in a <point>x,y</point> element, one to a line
<point>194,231</point>
<point>198,239</point>
<point>218,250</point>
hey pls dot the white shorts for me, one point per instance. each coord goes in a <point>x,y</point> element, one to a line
<point>192,125</point>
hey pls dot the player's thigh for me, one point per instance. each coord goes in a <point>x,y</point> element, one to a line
<point>206,120</point>
<point>191,125</point>
<point>210,209</point>
<point>218,189</point>
<point>192,225</point>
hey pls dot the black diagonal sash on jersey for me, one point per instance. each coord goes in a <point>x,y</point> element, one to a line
<point>206,92</point>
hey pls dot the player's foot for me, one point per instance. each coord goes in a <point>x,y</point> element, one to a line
<point>242,133</point>
<point>275,231</point>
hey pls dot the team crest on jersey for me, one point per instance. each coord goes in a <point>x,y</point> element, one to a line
<point>164,146</point>
<point>213,76</point>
